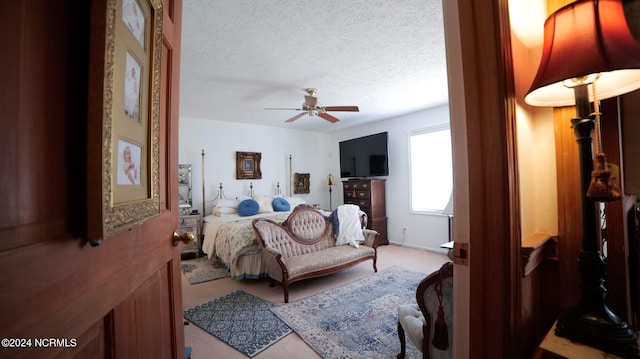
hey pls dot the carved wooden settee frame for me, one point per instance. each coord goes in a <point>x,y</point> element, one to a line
<point>303,247</point>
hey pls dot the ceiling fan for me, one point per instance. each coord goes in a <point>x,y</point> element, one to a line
<point>312,108</point>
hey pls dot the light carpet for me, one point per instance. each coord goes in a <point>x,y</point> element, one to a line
<point>241,320</point>
<point>203,270</point>
<point>357,320</point>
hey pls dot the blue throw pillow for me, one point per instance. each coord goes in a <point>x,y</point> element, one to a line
<point>280,204</point>
<point>248,207</point>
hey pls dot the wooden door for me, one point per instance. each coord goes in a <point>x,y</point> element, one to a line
<point>487,298</point>
<point>62,297</point>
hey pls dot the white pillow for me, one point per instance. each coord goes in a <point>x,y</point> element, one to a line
<point>226,203</point>
<point>295,201</point>
<point>219,211</point>
<point>265,204</point>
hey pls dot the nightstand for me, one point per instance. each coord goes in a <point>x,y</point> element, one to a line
<point>192,223</point>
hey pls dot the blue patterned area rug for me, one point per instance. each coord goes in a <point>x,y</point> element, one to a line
<point>241,320</point>
<point>357,320</point>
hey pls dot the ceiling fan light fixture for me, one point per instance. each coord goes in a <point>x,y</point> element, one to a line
<point>311,107</point>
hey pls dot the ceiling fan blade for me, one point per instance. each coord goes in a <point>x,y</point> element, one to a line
<point>328,117</point>
<point>283,108</point>
<point>310,100</point>
<point>342,108</point>
<point>296,117</point>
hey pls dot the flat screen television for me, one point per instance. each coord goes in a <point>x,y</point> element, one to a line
<point>364,157</point>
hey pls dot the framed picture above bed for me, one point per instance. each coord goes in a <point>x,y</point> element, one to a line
<point>248,165</point>
<point>301,183</point>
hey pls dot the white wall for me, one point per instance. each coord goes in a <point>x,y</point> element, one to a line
<point>316,154</point>
<point>422,230</point>
<point>221,139</point>
<point>535,126</point>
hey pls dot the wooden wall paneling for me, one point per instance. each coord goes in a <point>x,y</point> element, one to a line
<point>617,272</point>
<point>531,309</point>
<point>569,206</point>
<point>633,217</point>
<point>569,197</point>
<point>630,108</point>
<point>539,303</point>
<point>630,170</point>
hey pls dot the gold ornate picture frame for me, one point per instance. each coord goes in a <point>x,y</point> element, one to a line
<point>124,115</point>
<point>248,165</point>
<point>301,183</point>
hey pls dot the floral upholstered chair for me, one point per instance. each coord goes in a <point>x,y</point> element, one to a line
<point>429,322</point>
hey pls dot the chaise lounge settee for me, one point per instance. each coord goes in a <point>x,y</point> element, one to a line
<point>304,246</point>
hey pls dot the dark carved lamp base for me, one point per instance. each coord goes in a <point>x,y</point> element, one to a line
<point>591,322</point>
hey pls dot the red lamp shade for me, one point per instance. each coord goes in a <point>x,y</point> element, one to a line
<point>584,38</point>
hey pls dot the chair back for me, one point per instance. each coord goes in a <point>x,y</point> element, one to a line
<point>435,299</point>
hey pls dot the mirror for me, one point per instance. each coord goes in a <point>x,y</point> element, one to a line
<point>184,187</point>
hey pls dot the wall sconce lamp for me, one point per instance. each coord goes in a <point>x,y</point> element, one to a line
<point>330,182</point>
<point>585,42</point>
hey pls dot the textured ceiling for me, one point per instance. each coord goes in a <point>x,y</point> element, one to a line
<point>242,56</point>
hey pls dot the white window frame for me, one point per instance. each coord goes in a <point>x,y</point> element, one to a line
<point>440,188</point>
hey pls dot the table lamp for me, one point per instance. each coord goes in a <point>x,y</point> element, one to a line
<point>589,51</point>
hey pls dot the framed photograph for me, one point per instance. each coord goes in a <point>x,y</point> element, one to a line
<point>248,165</point>
<point>124,115</point>
<point>134,19</point>
<point>301,183</point>
<point>132,88</point>
<point>129,156</point>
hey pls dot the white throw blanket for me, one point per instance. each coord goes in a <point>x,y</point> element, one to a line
<point>350,230</point>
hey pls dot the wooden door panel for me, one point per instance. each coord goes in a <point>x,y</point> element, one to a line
<point>140,323</point>
<point>123,296</point>
<point>91,344</point>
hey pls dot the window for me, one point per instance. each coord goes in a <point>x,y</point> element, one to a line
<point>431,169</point>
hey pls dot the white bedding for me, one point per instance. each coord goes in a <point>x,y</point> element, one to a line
<point>230,236</point>
<point>212,224</point>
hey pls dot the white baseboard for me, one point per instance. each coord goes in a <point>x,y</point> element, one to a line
<point>425,248</point>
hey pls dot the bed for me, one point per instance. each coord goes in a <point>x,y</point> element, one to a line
<point>230,238</point>
<point>232,241</point>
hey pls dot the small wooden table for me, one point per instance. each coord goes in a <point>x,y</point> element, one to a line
<point>553,346</point>
<point>449,247</point>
